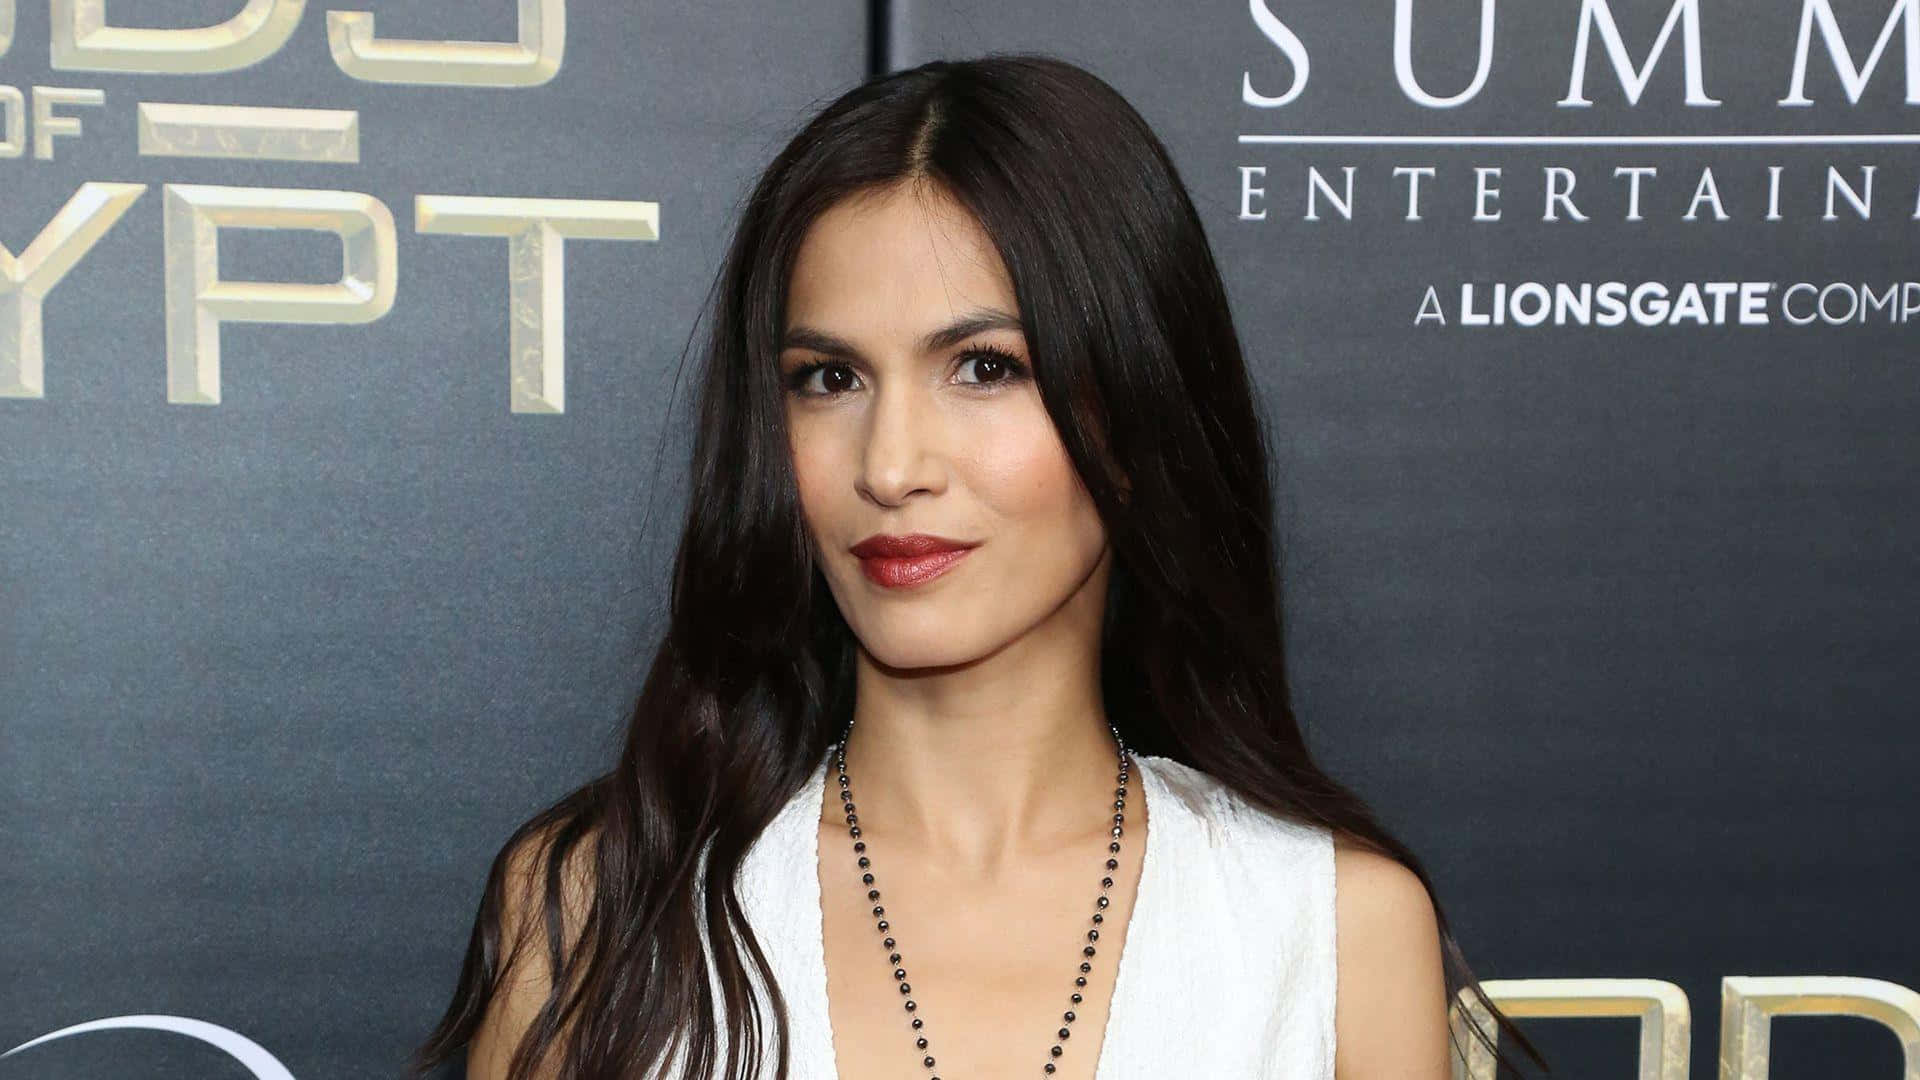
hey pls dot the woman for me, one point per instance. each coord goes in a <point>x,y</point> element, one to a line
<point>979,529</point>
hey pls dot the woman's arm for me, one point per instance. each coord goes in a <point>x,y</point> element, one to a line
<point>1390,1012</point>
<point>526,980</point>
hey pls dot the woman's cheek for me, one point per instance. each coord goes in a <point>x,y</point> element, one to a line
<point>814,471</point>
<point>1027,474</point>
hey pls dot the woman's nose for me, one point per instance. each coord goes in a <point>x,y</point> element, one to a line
<point>902,453</point>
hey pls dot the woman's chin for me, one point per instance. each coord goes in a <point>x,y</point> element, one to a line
<point>907,655</point>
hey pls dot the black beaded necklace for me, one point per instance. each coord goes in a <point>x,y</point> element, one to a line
<point>839,763</point>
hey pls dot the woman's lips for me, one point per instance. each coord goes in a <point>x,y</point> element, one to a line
<point>898,573</point>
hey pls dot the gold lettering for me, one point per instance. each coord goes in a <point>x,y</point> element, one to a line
<point>13,120</point>
<point>25,281</point>
<point>249,132</point>
<point>82,40</point>
<point>46,125</point>
<point>530,61</point>
<point>1665,1018</point>
<point>6,26</point>
<point>1748,1004</point>
<point>536,273</point>
<point>198,301</point>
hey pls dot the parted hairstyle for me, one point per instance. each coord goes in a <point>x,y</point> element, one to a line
<point>617,888</point>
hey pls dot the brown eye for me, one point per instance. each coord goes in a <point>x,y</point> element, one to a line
<point>835,378</point>
<point>993,366</point>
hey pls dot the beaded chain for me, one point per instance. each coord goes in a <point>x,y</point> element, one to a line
<point>887,942</point>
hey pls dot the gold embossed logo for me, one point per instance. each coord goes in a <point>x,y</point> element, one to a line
<point>198,298</point>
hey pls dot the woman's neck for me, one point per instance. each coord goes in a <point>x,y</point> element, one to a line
<point>981,775</point>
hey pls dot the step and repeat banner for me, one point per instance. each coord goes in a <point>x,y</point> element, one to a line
<point>343,419</point>
<point>343,411</point>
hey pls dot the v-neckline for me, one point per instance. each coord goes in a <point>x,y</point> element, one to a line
<point>813,798</point>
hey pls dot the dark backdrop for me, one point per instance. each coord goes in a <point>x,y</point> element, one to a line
<point>1612,622</point>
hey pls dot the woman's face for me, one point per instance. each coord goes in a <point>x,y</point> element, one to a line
<point>912,409</point>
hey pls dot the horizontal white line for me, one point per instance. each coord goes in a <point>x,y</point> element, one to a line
<point>1586,140</point>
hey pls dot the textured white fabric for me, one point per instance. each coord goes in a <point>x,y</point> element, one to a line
<point>1226,971</point>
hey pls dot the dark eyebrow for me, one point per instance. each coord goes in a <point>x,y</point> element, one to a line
<point>955,332</point>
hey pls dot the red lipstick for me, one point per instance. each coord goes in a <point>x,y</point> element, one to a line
<point>901,561</point>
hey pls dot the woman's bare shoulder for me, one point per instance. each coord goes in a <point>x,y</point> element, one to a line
<point>1390,1014</point>
<point>527,970</point>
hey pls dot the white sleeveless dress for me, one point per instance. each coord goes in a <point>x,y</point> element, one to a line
<point>1226,971</point>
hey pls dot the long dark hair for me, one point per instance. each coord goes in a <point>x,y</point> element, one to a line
<point>1139,366</point>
